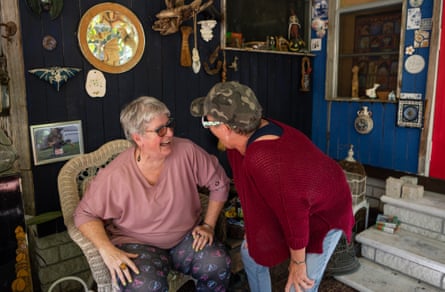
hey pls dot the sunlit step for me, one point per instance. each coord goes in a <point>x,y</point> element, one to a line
<point>411,254</point>
<point>371,277</point>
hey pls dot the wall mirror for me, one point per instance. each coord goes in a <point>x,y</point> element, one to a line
<point>365,46</point>
<point>111,37</point>
<point>264,25</point>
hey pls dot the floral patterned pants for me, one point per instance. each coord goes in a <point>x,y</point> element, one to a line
<point>210,266</point>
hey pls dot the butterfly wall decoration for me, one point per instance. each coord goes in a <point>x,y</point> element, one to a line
<point>56,76</point>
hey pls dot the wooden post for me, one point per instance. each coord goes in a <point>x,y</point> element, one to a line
<point>16,124</point>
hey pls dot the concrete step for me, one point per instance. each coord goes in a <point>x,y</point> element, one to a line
<point>371,277</point>
<point>423,216</point>
<point>409,253</point>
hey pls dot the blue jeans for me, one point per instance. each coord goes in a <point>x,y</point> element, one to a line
<point>259,277</point>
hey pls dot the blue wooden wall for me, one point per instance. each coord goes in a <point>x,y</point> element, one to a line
<point>275,78</point>
<point>387,145</point>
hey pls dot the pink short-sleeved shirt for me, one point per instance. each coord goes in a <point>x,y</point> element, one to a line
<point>159,215</point>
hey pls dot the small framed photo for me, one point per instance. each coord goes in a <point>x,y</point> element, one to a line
<point>56,141</point>
<point>410,113</point>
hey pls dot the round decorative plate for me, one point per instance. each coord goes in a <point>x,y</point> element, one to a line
<point>363,124</point>
<point>415,3</point>
<point>410,113</point>
<point>414,64</point>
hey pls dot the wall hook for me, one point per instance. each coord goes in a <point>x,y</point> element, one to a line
<point>234,64</point>
<point>10,28</point>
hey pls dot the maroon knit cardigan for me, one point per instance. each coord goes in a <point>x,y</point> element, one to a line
<point>292,194</point>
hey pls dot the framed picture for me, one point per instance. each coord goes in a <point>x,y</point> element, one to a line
<point>56,141</point>
<point>410,113</point>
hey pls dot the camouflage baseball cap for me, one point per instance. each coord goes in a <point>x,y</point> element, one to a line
<point>229,102</point>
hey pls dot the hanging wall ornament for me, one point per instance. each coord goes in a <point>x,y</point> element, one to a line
<point>363,123</point>
<point>185,57</point>
<point>212,59</point>
<point>196,62</point>
<point>306,70</point>
<point>56,76</point>
<point>49,43</point>
<point>320,26</point>
<point>96,84</point>
<point>206,30</point>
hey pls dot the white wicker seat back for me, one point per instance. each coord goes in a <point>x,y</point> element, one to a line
<point>72,181</point>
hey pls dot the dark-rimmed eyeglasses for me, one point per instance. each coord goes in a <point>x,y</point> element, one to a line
<point>207,124</point>
<point>162,130</point>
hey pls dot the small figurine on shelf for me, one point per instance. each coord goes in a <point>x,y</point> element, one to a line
<point>371,92</point>
<point>392,96</point>
<point>271,43</point>
<point>296,43</point>
<point>355,70</point>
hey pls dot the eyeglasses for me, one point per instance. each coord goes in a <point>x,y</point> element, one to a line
<point>162,130</point>
<point>207,124</point>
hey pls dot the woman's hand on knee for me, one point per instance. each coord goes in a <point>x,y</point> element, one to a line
<point>202,235</point>
<point>298,278</point>
<point>119,264</point>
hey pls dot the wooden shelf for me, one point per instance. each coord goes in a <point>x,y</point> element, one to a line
<point>269,51</point>
<point>361,54</point>
<point>350,99</point>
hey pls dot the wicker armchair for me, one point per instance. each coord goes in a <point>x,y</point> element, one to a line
<point>73,179</point>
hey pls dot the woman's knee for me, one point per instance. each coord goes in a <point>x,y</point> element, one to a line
<point>153,264</point>
<point>212,263</point>
<point>217,256</point>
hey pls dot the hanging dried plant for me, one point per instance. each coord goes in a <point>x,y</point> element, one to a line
<point>54,7</point>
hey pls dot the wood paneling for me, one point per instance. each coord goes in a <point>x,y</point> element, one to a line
<point>388,145</point>
<point>275,79</point>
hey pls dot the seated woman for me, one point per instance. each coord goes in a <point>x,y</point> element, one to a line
<point>149,200</point>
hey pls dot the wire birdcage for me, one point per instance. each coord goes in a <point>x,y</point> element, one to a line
<point>355,175</point>
<point>357,184</point>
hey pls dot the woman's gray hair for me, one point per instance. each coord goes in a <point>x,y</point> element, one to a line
<point>140,112</point>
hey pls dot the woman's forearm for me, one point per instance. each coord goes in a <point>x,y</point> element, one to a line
<point>95,232</point>
<point>213,210</point>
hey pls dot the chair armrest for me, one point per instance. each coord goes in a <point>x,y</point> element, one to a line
<point>69,199</point>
